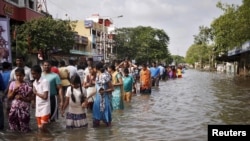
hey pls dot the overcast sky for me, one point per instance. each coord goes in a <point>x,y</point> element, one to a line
<point>180,19</point>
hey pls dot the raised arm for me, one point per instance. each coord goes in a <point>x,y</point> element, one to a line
<point>132,65</point>
<point>118,66</point>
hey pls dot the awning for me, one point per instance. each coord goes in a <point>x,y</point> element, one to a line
<point>241,49</point>
<point>78,52</point>
<point>227,58</point>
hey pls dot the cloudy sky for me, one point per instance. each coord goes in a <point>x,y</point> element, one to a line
<point>180,19</point>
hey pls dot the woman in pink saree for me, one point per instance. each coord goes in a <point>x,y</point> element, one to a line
<point>21,95</point>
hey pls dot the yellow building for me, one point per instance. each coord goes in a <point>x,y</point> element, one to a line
<point>99,33</point>
<point>94,38</point>
<point>82,42</point>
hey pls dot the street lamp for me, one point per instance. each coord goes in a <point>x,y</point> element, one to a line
<point>104,37</point>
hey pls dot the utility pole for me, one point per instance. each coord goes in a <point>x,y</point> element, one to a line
<point>104,36</point>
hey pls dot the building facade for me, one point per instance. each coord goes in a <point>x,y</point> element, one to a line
<point>16,12</point>
<point>100,32</point>
<point>20,10</point>
<point>239,59</point>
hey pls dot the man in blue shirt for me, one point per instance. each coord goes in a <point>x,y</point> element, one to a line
<point>4,81</point>
<point>5,75</point>
<point>155,74</point>
<point>1,104</point>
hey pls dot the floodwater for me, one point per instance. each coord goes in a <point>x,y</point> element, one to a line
<point>179,110</point>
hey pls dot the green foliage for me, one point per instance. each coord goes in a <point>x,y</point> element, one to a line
<point>200,50</point>
<point>243,26</point>
<point>193,54</point>
<point>229,30</point>
<point>232,28</point>
<point>198,53</point>
<point>144,44</point>
<point>178,59</point>
<point>46,34</point>
<point>204,36</point>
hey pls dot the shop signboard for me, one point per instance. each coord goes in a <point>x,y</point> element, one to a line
<point>5,46</point>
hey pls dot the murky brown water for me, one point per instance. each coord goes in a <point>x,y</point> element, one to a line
<point>179,110</point>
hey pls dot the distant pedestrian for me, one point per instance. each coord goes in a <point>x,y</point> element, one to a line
<point>179,72</point>
<point>54,66</point>
<point>89,85</point>
<point>162,72</point>
<point>174,75</point>
<point>71,68</point>
<point>155,74</point>
<point>80,72</point>
<point>64,76</point>
<point>117,100</point>
<point>5,76</point>
<point>131,67</point>
<point>145,80</point>
<point>127,85</point>
<point>89,64</point>
<point>169,72</point>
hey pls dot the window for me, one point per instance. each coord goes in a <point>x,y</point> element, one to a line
<point>31,4</point>
<point>14,1</point>
<point>76,47</point>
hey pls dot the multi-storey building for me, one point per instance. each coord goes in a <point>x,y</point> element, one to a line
<point>15,12</point>
<point>99,34</point>
<point>100,31</point>
<point>21,10</point>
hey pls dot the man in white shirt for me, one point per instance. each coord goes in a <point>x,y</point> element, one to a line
<point>41,90</point>
<point>162,71</point>
<point>20,64</point>
<point>71,68</point>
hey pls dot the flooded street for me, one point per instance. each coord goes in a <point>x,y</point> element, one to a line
<point>179,110</point>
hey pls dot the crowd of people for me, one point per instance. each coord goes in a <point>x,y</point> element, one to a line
<point>54,88</point>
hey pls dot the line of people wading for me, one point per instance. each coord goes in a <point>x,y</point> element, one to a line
<point>53,88</point>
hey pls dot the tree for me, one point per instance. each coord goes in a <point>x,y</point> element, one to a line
<point>228,31</point>
<point>231,29</point>
<point>178,59</point>
<point>243,25</point>
<point>225,28</point>
<point>194,54</point>
<point>203,39</point>
<point>45,34</point>
<point>144,44</point>
<point>204,36</point>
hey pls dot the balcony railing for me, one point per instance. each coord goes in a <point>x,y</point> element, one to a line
<point>98,40</point>
<point>80,39</point>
